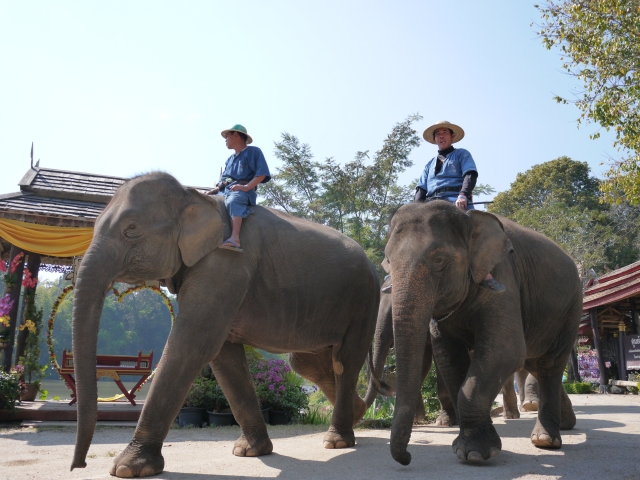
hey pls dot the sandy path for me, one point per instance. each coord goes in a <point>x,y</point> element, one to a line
<point>604,444</point>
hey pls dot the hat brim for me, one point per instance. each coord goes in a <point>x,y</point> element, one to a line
<point>458,132</point>
<point>224,134</point>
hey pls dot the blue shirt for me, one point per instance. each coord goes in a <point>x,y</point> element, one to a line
<point>456,165</point>
<point>246,165</point>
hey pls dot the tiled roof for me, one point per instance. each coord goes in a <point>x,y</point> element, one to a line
<point>71,185</point>
<point>61,198</point>
<point>29,207</point>
<point>614,286</point>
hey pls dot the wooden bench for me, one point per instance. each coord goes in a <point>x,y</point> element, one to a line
<point>111,366</point>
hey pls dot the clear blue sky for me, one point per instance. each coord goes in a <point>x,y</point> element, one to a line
<point>122,88</point>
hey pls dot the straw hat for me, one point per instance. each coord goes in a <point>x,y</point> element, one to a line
<point>458,132</point>
<point>237,128</point>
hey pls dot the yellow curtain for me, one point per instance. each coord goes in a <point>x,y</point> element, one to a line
<point>45,239</point>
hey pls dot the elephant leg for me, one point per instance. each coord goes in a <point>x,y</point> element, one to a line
<point>531,401</point>
<point>567,415</point>
<point>319,369</point>
<point>509,400</point>
<point>447,416</point>
<point>232,372</point>
<point>491,365</point>
<point>521,380</point>
<point>174,376</point>
<point>546,432</point>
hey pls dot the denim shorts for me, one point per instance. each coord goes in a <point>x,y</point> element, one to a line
<point>238,203</point>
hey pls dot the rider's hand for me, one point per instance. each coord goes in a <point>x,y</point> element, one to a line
<point>238,188</point>
<point>461,202</point>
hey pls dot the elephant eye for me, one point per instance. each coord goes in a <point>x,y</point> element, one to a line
<point>132,231</point>
<point>439,262</point>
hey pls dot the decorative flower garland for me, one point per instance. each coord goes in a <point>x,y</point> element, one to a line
<point>56,305</point>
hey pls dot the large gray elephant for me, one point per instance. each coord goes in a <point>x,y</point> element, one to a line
<point>281,295</point>
<point>382,343</point>
<point>436,256</point>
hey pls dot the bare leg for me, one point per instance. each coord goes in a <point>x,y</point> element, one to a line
<point>236,226</point>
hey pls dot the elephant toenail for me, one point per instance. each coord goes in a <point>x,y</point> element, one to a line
<point>494,451</point>
<point>124,472</point>
<point>341,444</point>
<point>459,453</point>
<point>329,445</point>
<point>475,457</point>
<point>148,471</point>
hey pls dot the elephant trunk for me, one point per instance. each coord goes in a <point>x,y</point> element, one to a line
<point>95,276</point>
<point>412,311</point>
<point>382,343</point>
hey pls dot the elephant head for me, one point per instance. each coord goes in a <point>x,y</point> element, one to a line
<point>434,253</point>
<point>151,227</point>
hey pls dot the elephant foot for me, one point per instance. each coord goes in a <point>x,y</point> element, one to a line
<point>333,439</point>
<point>567,415</point>
<point>477,444</point>
<point>445,420</point>
<point>542,438</point>
<point>511,414</point>
<point>252,448</point>
<point>138,462</point>
<point>529,406</point>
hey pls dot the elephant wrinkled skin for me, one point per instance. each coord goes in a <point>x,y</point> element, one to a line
<point>282,295</point>
<point>437,255</point>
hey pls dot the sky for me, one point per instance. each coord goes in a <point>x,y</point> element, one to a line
<point>122,88</point>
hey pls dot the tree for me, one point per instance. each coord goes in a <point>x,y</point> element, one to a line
<point>600,45</point>
<point>354,198</point>
<point>561,200</point>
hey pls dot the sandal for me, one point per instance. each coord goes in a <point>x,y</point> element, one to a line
<point>493,286</point>
<point>230,245</point>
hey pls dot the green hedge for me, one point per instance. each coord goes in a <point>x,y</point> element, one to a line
<point>577,387</point>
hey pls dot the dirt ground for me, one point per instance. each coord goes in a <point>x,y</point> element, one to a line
<point>604,444</point>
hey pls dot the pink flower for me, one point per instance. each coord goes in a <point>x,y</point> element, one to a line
<point>16,260</point>
<point>3,267</point>
<point>28,281</point>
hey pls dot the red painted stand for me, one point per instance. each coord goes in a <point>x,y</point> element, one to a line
<point>111,366</point>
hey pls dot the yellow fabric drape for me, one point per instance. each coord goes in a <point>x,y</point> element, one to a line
<point>45,239</point>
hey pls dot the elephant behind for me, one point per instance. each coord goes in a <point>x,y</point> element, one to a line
<point>436,256</point>
<point>383,341</point>
<point>280,295</point>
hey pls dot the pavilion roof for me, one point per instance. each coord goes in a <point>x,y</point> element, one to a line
<point>614,286</point>
<point>59,198</point>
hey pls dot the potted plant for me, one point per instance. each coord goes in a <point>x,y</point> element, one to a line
<point>193,409</point>
<point>279,389</point>
<point>10,389</point>
<point>218,409</point>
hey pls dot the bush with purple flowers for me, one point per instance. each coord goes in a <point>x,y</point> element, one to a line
<point>277,386</point>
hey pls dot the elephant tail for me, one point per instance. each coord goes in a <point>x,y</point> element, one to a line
<point>380,386</point>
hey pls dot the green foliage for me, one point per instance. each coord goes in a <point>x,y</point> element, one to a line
<point>430,396</point>
<point>354,198</point>
<point>43,394</point>
<point>577,387</point>
<point>31,361</point>
<point>9,390</point>
<point>199,393</point>
<point>561,200</point>
<point>600,45</point>
<point>315,415</point>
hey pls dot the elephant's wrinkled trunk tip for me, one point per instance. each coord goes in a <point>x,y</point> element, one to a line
<point>77,464</point>
<point>402,457</point>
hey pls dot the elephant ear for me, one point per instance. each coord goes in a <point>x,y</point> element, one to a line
<point>488,244</point>
<point>201,228</point>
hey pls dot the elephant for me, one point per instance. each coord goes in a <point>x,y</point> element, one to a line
<point>383,341</point>
<point>280,295</point>
<point>436,255</point>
